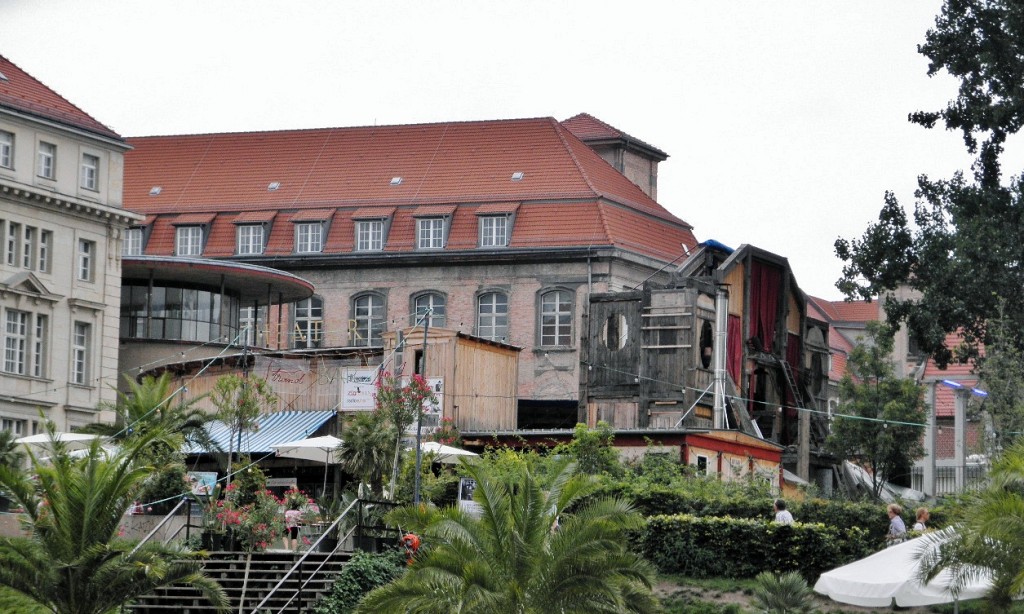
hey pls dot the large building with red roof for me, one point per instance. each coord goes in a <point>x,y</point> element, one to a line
<point>61,221</point>
<point>500,229</point>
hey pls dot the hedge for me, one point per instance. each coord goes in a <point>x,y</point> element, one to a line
<point>742,548</point>
<point>653,500</point>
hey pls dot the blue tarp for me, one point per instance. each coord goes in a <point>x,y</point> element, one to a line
<point>273,428</point>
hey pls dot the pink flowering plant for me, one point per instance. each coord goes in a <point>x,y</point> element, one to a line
<point>401,403</point>
<point>447,433</point>
<point>261,522</point>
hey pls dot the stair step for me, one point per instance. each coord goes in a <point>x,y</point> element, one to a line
<point>265,572</point>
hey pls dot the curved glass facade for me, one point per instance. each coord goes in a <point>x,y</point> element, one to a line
<point>178,314</point>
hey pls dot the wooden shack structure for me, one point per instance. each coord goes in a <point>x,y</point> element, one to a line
<point>479,377</point>
<point>651,355</point>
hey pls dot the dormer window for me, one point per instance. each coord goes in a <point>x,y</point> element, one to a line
<point>369,235</point>
<point>493,230</point>
<point>250,239</point>
<point>188,241</point>
<point>430,233</point>
<point>132,245</point>
<point>309,237</point>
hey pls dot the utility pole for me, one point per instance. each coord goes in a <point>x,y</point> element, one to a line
<point>419,413</point>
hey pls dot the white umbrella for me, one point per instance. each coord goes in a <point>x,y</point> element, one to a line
<point>891,575</point>
<point>443,453</point>
<point>73,441</point>
<point>319,449</point>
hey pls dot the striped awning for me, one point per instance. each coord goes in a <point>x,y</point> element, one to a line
<point>272,429</point>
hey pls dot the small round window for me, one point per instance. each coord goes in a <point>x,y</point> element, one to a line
<point>707,344</point>
<point>615,333</point>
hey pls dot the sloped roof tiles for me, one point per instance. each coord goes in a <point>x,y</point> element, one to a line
<point>568,195</point>
<point>24,93</point>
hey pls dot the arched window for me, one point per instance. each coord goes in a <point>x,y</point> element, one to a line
<point>556,318</point>
<point>492,316</point>
<point>433,301</point>
<point>367,322</point>
<point>308,329</point>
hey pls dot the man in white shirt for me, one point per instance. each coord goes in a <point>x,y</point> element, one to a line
<point>782,515</point>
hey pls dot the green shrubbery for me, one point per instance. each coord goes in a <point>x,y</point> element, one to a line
<point>742,548</point>
<point>361,574</point>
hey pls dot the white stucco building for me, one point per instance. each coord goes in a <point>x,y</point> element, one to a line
<point>61,224</point>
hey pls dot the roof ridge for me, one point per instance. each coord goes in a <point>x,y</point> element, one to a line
<point>560,132</point>
<point>110,131</point>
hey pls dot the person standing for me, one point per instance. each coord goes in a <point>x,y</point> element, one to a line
<point>897,529</point>
<point>782,515</point>
<point>922,520</point>
<point>292,516</point>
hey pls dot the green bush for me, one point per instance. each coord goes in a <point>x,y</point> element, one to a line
<point>361,574</point>
<point>742,548</point>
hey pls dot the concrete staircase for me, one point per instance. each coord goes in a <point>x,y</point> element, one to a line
<point>265,570</point>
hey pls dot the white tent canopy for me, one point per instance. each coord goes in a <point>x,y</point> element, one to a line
<point>891,576</point>
<point>445,454</point>
<point>322,449</point>
<point>73,441</point>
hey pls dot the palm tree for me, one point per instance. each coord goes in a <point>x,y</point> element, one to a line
<point>515,557</point>
<point>73,562</point>
<point>365,450</point>
<point>149,404</point>
<point>987,536</point>
<point>783,594</point>
<point>11,454</point>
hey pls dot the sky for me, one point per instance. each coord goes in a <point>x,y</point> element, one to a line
<point>785,121</point>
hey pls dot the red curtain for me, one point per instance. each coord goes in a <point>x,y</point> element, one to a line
<point>734,342</point>
<point>765,284</point>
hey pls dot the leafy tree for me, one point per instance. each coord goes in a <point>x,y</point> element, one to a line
<point>593,449</point>
<point>987,534</point>
<point>72,561</point>
<point>514,559</point>
<point>400,404</point>
<point>1000,372</point>
<point>240,401</point>
<point>963,255</point>
<point>365,450</point>
<point>879,414</point>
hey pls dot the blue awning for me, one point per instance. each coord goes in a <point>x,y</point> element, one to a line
<point>272,429</point>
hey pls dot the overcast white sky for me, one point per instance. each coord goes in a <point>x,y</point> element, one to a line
<point>785,120</point>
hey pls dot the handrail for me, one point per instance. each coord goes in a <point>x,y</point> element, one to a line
<point>302,559</point>
<point>317,570</point>
<point>158,526</point>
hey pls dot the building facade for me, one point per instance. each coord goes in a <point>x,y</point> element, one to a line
<point>497,229</point>
<point>61,223</point>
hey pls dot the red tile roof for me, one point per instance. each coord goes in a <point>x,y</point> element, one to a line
<point>588,128</point>
<point>193,218</point>
<point>568,195</point>
<point>254,217</point>
<point>22,92</point>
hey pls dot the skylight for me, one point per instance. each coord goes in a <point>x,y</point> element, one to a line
<point>396,181</point>
<point>155,190</point>
<point>518,176</point>
<point>273,185</point>
<point>3,77</point>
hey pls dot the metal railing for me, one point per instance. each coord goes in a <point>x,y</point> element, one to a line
<point>160,525</point>
<point>298,591</point>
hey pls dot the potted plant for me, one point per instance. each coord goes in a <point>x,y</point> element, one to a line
<point>328,510</point>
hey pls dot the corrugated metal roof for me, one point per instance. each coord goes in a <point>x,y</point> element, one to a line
<point>279,427</point>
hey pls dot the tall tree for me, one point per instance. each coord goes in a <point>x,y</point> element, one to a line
<point>513,558</point>
<point>963,255</point>
<point>73,561</point>
<point>880,415</point>
<point>400,404</point>
<point>1002,377</point>
<point>239,401</point>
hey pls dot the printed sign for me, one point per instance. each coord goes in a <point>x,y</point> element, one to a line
<point>358,389</point>
<point>201,482</point>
